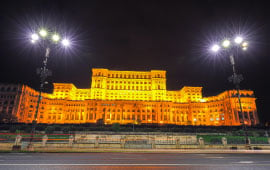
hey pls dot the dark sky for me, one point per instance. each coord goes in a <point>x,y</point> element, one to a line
<point>140,35</point>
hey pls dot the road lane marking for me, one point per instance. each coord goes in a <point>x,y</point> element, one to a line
<point>217,157</point>
<point>245,162</point>
<point>123,158</point>
<point>129,164</point>
<point>16,156</point>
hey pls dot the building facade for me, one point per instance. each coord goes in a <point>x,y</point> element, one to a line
<point>128,97</point>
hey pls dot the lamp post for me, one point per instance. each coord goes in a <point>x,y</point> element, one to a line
<point>235,78</point>
<point>47,40</point>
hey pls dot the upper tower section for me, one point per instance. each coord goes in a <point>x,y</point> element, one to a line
<point>128,80</point>
<point>64,91</point>
<point>128,85</point>
<point>98,78</point>
<point>191,94</point>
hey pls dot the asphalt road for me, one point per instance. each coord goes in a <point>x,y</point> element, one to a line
<point>217,161</point>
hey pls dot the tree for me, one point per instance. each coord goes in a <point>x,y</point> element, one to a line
<point>7,117</point>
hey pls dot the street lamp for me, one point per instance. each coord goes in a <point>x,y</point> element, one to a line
<point>47,40</point>
<point>230,47</point>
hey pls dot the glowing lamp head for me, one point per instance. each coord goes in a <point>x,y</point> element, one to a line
<point>34,37</point>
<point>65,42</point>
<point>215,48</point>
<point>245,44</point>
<point>238,40</point>
<point>226,43</point>
<point>55,37</point>
<point>43,33</point>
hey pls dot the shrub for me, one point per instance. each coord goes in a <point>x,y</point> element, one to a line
<point>4,127</point>
<point>215,140</point>
<point>116,127</point>
<point>12,129</point>
<point>57,128</point>
<point>66,130</point>
<point>255,134</point>
<point>259,140</point>
<point>235,139</point>
<point>28,129</point>
<point>49,129</point>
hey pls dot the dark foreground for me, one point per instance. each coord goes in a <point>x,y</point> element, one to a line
<point>134,161</point>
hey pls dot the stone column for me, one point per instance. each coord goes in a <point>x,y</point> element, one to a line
<point>96,142</point>
<point>18,140</point>
<point>17,146</point>
<point>153,142</point>
<point>201,141</point>
<point>249,141</point>
<point>122,142</point>
<point>224,141</point>
<point>177,143</point>
<point>71,140</point>
<point>266,134</point>
<point>44,140</point>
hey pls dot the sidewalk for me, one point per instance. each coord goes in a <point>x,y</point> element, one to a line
<point>90,150</point>
<point>7,147</point>
<point>148,150</point>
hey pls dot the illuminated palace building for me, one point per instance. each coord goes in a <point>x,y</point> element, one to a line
<point>128,97</point>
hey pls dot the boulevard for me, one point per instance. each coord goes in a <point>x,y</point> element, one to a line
<point>237,160</point>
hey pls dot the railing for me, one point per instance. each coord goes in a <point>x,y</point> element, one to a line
<point>89,140</point>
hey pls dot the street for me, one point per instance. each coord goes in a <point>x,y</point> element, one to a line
<point>9,161</point>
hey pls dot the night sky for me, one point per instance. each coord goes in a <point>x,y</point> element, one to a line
<point>140,35</point>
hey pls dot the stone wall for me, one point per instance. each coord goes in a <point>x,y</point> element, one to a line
<point>133,141</point>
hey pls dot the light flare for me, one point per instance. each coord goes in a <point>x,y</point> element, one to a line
<point>215,48</point>
<point>226,43</point>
